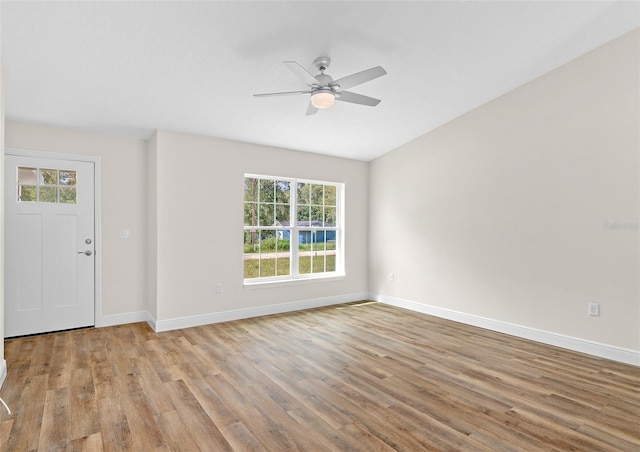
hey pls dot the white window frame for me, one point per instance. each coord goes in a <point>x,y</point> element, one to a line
<point>294,276</point>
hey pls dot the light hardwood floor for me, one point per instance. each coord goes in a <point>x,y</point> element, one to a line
<point>350,377</point>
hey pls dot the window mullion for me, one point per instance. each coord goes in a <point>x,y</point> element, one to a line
<point>293,214</point>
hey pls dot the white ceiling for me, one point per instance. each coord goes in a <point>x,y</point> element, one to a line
<point>127,68</point>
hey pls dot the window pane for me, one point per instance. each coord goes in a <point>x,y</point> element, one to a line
<point>27,193</point>
<point>267,241</point>
<point>317,216</point>
<point>284,268</point>
<point>329,195</point>
<point>48,177</point>
<point>48,194</point>
<point>330,216</point>
<point>250,214</point>
<point>251,258</point>
<point>283,252</point>
<point>282,192</point>
<point>330,262</point>
<point>330,240</point>
<point>304,238</point>
<point>266,215</point>
<point>251,243</point>
<point>317,194</point>
<point>266,191</point>
<point>282,214</point>
<point>303,193</point>
<point>318,261</point>
<point>304,264</point>
<point>27,175</point>
<point>303,216</point>
<point>67,177</point>
<point>304,252</point>
<point>267,255</point>
<point>68,195</point>
<point>250,189</point>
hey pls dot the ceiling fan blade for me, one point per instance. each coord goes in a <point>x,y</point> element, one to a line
<point>287,93</point>
<point>302,73</point>
<point>311,110</point>
<point>359,77</point>
<point>346,96</point>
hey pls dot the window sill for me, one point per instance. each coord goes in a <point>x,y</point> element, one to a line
<point>292,282</point>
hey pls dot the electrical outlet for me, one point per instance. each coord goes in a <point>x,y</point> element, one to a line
<point>218,287</point>
<point>594,309</point>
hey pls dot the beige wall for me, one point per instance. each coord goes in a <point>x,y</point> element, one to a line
<point>123,201</point>
<point>200,223</point>
<point>152,227</point>
<point>506,212</point>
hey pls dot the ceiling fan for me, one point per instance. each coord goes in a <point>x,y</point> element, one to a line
<point>325,90</point>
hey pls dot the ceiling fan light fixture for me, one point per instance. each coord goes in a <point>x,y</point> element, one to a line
<point>322,99</point>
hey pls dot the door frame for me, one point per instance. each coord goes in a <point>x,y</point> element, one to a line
<point>97,271</point>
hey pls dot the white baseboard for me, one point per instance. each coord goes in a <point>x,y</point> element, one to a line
<point>3,372</point>
<point>237,314</point>
<point>121,319</point>
<point>623,355</point>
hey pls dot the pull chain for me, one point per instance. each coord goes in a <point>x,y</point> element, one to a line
<point>5,405</point>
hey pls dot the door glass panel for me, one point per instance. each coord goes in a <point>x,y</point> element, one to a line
<point>27,176</point>
<point>68,195</point>
<point>48,194</point>
<point>67,177</point>
<point>27,193</point>
<point>48,176</point>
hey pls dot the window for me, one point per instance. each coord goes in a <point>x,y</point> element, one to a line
<point>46,185</point>
<point>292,229</point>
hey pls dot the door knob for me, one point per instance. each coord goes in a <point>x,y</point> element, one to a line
<point>88,252</point>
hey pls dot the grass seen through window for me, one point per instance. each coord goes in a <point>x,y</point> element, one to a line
<point>254,268</point>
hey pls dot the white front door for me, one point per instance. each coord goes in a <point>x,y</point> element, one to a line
<point>49,244</point>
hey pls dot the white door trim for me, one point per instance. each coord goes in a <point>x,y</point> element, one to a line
<point>97,311</point>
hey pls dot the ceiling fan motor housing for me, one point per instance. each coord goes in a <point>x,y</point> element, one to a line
<point>322,63</point>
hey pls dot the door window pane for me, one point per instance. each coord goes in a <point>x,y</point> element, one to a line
<point>67,195</point>
<point>48,194</point>
<point>27,176</point>
<point>27,193</point>
<point>48,176</point>
<point>67,177</point>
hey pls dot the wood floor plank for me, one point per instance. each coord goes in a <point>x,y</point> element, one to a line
<point>91,443</point>
<point>27,413</point>
<point>5,430</point>
<point>359,376</point>
<point>83,408</point>
<point>54,434</point>
<point>60,369</point>
<point>114,426</point>
<point>200,428</point>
